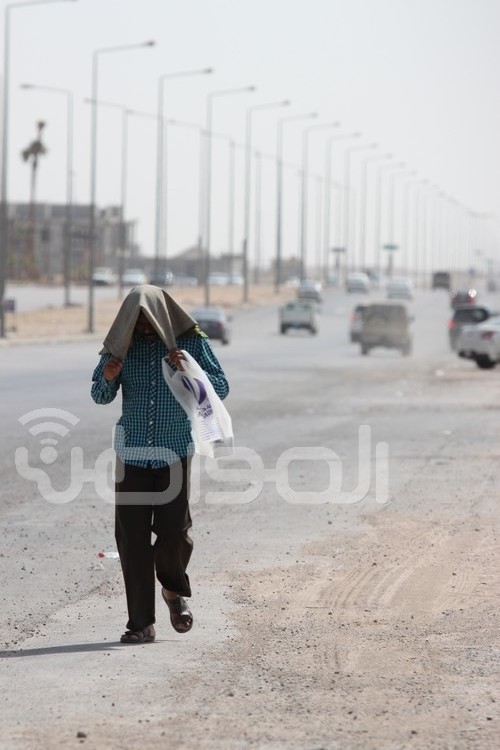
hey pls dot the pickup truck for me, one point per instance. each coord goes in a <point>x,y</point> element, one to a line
<point>298,313</point>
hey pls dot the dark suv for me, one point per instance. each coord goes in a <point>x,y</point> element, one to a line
<point>386,324</point>
<point>465,315</point>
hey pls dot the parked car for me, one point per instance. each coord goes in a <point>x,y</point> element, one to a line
<point>463,297</point>
<point>358,282</point>
<point>298,313</point>
<point>214,322</point>
<point>332,279</point>
<point>377,279</point>
<point>356,322</point>
<point>104,276</point>
<point>161,278</point>
<point>386,324</point>
<point>218,279</point>
<point>481,343</point>
<point>400,288</point>
<point>236,279</point>
<point>310,290</point>
<point>441,280</point>
<point>184,279</point>
<point>134,277</point>
<point>466,315</point>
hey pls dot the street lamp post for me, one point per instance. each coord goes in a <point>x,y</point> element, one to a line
<point>378,211</point>
<point>390,216</point>
<point>416,230</point>
<point>126,112</point>
<point>258,214</point>
<point>231,181</point>
<point>161,171</point>
<point>328,183</point>
<point>93,166</point>
<point>4,250</point>
<point>279,189</point>
<point>206,241</point>
<point>69,181</point>
<point>346,196</point>
<point>304,184</point>
<point>363,204</point>
<point>321,271</point>
<point>248,178</point>
<point>405,206</point>
<point>391,198</point>
<point>231,190</point>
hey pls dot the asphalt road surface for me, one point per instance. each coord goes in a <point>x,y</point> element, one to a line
<point>344,572</point>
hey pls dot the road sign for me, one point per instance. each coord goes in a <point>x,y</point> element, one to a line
<point>391,247</point>
<point>338,249</point>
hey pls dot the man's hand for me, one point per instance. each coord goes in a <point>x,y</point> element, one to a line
<point>112,368</point>
<point>175,357</point>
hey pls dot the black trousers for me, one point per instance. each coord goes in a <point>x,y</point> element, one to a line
<point>145,504</point>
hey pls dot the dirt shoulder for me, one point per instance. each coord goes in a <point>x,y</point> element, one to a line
<point>50,323</point>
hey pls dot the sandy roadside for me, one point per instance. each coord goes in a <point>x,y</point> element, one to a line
<point>51,323</point>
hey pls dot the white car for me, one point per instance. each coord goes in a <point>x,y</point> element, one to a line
<point>309,289</point>
<point>298,313</point>
<point>184,279</point>
<point>134,277</point>
<point>104,276</point>
<point>218,279</point>
<point>358,282</point>
<point>401,288</point>
<point>236,279</point>
<point>481,343</point>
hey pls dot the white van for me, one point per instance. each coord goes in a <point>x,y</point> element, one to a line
<point>358,282</point>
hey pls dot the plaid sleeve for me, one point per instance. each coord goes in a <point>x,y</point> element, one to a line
<point>200,348</point>
<point>103,391</point>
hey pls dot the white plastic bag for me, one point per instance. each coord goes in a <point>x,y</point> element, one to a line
<point>211,425</point>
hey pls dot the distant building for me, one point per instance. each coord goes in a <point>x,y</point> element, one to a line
<point>37,243</point>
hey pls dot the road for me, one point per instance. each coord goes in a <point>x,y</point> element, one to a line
<point>36,296</point>
<point>349,617</point>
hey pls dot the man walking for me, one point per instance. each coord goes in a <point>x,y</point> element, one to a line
<point>154,447</point>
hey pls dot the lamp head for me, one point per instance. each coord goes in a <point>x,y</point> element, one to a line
<point>207,71</point>
<point>149,43</point>
<point>26,86</point>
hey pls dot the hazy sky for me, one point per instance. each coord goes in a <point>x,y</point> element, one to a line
<point>419,77</point>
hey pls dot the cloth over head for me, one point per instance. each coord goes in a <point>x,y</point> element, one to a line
<point>166,316</point>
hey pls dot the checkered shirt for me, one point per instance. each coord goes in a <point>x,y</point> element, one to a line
<point>153,430</point>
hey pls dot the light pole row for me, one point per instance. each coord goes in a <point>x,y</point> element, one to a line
<point>4,151</point>
<point>205,206</point>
